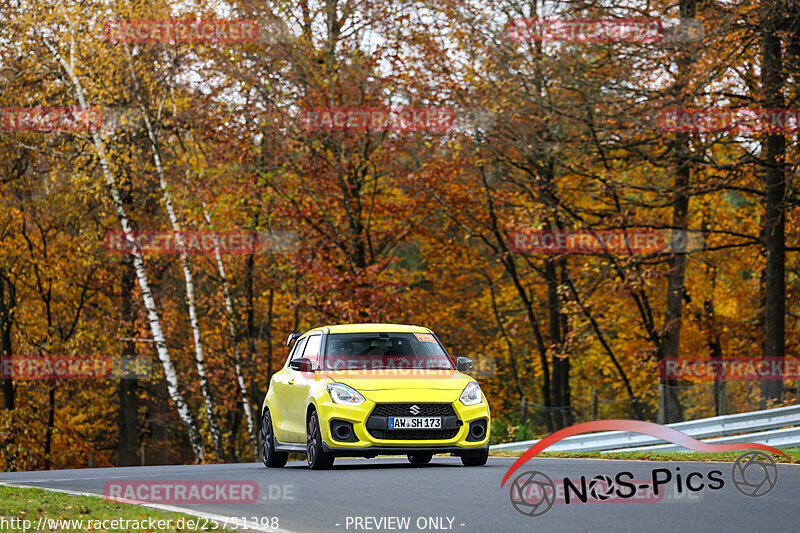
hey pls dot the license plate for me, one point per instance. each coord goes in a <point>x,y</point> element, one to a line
<point>415,422</point>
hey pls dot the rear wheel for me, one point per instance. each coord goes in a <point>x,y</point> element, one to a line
<point>318,459</point>
<point>271,458</point>
<point>478,459</point>
<point>419,458</point>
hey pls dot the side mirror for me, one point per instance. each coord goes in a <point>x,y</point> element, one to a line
<point>292,337</point>
<point>463,364</point>
<point>302,364</point>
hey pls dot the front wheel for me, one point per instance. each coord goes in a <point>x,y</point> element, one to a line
<point>318,459</point>
<point>271,458</point>
<point>478,459</point>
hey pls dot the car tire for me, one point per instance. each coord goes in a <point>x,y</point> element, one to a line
<point>271,458</point>
<point>419,458</point>
<point>478,459</point>
<point>318,459</point>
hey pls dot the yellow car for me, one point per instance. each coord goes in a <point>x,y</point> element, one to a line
<point>362,390</point>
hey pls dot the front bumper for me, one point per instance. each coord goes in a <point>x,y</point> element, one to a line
<point>371,436</point>
<point>372,451</point>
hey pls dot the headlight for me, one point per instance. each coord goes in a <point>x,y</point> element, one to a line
<point>471,394</point>
<point>342,394</point>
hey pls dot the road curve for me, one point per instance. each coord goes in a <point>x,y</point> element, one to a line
<point>445,496</point>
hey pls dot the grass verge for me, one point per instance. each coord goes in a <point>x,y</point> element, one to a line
<point>793,453</point>
<point>31,504</point>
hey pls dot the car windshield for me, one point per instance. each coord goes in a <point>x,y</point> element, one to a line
<point>376,351</point>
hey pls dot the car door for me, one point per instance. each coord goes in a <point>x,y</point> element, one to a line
<point>280,401</point>
<point>298,390</point>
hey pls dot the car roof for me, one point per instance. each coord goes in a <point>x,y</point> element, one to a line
<point>368,328</point>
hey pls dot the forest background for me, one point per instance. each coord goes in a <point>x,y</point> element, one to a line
<point>404,226</point>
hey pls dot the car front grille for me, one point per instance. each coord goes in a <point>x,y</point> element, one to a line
<point>414,434</point>
<point>403,409</point>
<point>443,410</point>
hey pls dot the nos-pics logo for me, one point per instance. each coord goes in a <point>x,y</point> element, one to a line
<point>533,493</point>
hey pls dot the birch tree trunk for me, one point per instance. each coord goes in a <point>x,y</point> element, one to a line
<point>171,377</point>
<point>205,388</point>
<point>237,361</point>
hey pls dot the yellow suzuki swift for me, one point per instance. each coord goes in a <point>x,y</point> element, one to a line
<point>362,390</point>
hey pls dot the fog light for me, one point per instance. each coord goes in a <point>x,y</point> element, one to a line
<point>477,431</point>
<point>343,431</point>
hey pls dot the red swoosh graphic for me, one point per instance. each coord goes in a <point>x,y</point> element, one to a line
<point>637,426</point>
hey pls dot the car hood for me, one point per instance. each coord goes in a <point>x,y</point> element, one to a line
<point>375,380</point>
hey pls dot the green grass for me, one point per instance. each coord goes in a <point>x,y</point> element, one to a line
<point>30,504</point>
<point>793,453</point>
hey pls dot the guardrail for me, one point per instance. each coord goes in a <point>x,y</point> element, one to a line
<point>756,426</point>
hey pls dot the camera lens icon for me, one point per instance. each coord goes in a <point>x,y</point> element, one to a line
<point>754,474</point>
<point>601,487</point>
<point>532,493</point>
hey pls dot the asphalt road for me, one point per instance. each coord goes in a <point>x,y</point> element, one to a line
<point>445,496</point>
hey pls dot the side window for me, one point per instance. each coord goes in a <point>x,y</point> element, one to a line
<point>298,349</point>
<point>312,349</point>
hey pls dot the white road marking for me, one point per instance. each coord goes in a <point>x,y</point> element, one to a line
<point>98,477</point>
